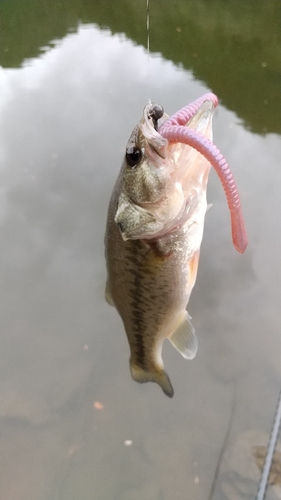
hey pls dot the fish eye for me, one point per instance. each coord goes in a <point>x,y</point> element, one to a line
<point>133,156</point>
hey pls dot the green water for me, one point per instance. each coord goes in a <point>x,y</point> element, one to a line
<point>234,47</point>
<point>74,79</point>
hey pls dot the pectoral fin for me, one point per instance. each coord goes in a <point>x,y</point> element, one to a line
<point>184,338</point>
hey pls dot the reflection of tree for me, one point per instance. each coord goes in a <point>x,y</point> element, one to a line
<point>231,46</point>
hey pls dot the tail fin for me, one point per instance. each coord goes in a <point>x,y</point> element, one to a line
<point>158,375</point>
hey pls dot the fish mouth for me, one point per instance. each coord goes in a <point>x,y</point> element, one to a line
<point>202,120</point>
<point>156,147</point>
<point>192,167</point>
<point>149,125</point>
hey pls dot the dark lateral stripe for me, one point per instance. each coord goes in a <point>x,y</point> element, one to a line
<point>140,351</point>
<point>138,317</point>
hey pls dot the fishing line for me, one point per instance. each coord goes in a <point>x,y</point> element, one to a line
<point>148,42</point>
<point>270,451</point>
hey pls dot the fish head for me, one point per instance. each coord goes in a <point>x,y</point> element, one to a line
<point>161,183</point>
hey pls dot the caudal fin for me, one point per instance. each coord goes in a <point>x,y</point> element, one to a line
<point>158,375</point>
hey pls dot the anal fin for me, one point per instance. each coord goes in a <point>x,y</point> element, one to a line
<point>184,339</point>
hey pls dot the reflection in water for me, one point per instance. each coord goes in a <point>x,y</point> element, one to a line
<point>65,118</point>
<point>259,453</point>
<point>242,466</point>
<point>231,46</point>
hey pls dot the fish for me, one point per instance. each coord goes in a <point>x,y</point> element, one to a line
<point>154,230</point>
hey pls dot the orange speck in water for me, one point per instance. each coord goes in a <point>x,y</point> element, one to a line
<point>98,406</point>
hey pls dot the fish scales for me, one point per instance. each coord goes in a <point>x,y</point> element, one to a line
<point>153,235</point>
<point>151,297</point>
<point>147,282</point>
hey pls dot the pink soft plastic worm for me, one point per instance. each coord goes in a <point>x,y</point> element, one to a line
<point>185,114</point>
<point>178,133</point>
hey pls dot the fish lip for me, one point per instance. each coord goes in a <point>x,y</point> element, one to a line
<point>202,118</point>
<point>155,141</point>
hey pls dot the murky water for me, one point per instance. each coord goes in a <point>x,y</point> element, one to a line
<point>73,84</point>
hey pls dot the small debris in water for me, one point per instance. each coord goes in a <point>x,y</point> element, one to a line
<point>178,29</point>
<point>85,347</point>
<point>264,64</point>
<point>128,442</point>
<point>98,406</point>
<point>196,480</point>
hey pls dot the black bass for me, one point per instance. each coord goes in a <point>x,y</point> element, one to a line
<point>154,231</point>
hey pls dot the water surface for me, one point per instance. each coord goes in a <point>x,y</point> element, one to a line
<point>70,94</point>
